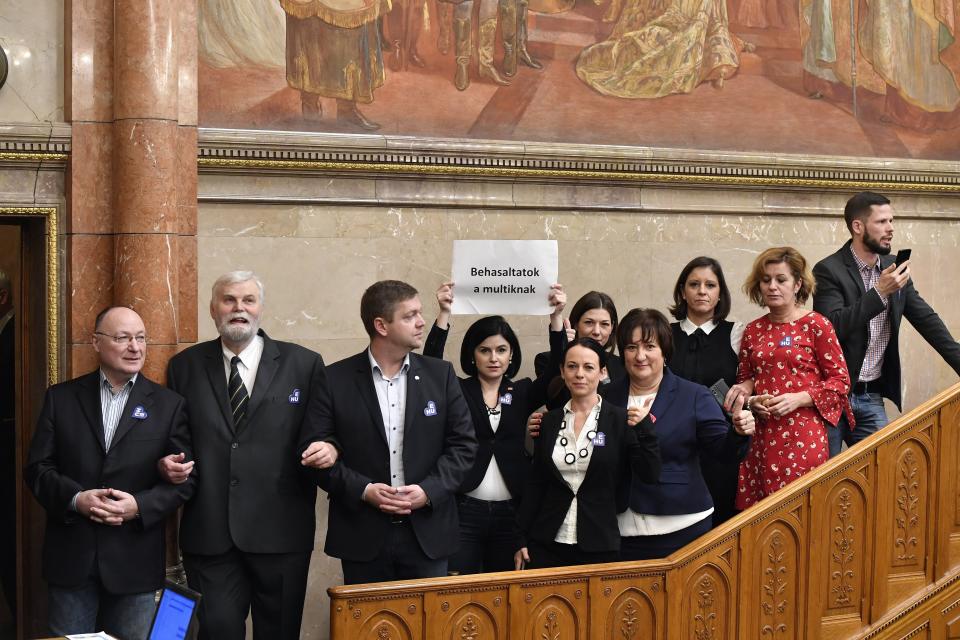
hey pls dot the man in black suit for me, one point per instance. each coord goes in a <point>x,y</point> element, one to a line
<point>93,467</point>
<point>865,294</point>
<point>248,533</point>
<point>406,442</point>
<point>8,445</point>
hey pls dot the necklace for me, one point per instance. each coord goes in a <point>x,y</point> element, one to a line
<point>494,410</point>
<point>569,457</point>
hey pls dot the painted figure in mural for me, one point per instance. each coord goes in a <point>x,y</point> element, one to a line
<point>906,51</point>
<point>762,14</point>
<point>404,23</point>
<point>240,33</point>
<point>333,50</point>
<point>658,48</point>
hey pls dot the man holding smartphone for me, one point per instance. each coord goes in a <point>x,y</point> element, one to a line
<point>865,292</point>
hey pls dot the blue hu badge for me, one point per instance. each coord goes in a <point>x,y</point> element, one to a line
<point>430,409</point>
<point>139,412</point>
<point>294,397</point>
<point>506,398</point>
<point>787,341</point>
<point>600,439</point>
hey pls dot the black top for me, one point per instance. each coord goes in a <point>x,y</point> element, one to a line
<point>518,399</point>
<point>704,358</point>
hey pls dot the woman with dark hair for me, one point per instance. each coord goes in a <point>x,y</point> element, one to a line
<point>490,356</point>
<point>593,316</point>
<point>705,349</point>
<point>586,449</point>
<point>660,515</point>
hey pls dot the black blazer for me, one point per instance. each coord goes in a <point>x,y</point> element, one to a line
<point>688,422</point>
<point>518,399</point>
<point>547,497</point>
<point>252,491</point>
<point>841,297</point>
<point>67,455</point>
<point>438,449</point>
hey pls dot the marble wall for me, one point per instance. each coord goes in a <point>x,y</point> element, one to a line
<point>31,34</point>
<point>316,258</point>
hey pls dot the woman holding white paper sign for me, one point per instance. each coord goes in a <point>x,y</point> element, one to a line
<point>593,316</point>
<point>490,355</point>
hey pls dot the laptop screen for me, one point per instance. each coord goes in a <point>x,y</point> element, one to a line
<point>174,613</point>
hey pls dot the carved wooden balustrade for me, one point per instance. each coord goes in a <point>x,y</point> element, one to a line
<point>868,545</point>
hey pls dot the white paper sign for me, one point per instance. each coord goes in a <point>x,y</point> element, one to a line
<point>503,276</point>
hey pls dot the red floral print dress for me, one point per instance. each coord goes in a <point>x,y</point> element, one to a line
<point>789,357</point>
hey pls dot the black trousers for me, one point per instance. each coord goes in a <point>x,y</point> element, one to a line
<point>555,554</point>
<point>488,536</point>
<point>651,547</point>
<point>400,558</point>
<point>272,585</point>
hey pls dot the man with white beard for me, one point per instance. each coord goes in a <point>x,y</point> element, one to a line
<point>248,533</point>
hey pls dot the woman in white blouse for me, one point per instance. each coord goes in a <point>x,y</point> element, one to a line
<point>585,450</point>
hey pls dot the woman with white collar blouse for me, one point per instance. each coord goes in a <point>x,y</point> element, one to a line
<point>706,348</point>
<point>585,450</point>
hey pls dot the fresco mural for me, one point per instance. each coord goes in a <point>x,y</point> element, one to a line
<point>873,78</point>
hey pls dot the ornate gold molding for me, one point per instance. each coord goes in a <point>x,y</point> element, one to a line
<point>706,175</point>
<point>17,156</point>
<point>50,215</point>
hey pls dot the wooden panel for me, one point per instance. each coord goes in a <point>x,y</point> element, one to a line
<point>841,546</point>
<point>377,617</point>
<point>703,602</point>
<point>948,555</point>
<point>773,576</point>
<point>468,613</point>
<point>906,520</point>
<point>628,607</point>
<point>550,610</point>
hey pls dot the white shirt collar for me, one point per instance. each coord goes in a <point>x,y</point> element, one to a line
<point>688,327</point>
<point>374,366</point>
<point>132,381</point>
<point>567,407</point>
<point>249,355</point>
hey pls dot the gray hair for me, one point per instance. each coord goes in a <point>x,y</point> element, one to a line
<point>5,281</point>
<point>235,277</point>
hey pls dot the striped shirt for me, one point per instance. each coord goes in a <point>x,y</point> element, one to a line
<point>112,405</point>
<point>879,324</point>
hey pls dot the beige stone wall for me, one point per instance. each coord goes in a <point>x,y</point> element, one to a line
<point>316,258</point>
<point>31,34</point>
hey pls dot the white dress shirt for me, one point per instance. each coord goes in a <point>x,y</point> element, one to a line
<point>573,474</point>
<point>392,397</point>
<point>248,365</point>
<point>736,333</point>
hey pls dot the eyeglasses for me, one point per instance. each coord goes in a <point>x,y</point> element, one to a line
<point>122,338</point>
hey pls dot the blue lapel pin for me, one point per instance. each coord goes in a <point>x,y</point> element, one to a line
<point>294,397</point>
<point>430,409</point>
<point>506,398</point>
<point>600,439</point>
<point>139,412</point>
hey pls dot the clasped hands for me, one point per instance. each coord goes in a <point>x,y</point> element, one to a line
<point>399,501</point>
<point>107,506</point>
<point>765,405</point>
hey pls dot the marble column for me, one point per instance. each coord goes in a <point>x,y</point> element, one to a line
<point>131,228</point>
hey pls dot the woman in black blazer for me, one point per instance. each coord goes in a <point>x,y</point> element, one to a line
<point>490,356</point>
<point>585,450</point>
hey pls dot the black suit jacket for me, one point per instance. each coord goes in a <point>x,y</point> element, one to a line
<point>252,491</point>
<point>518,399</point>
<point>688,423</point>
<point>842,298</point>
<point>438,448</point>
<point>547,497</point>
<point>67,455</point>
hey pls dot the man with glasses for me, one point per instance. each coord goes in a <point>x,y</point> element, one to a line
<point>93,467</point>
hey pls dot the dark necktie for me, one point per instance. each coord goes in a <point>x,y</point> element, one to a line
<point>237,392</point>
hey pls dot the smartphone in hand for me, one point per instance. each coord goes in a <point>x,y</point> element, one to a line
<point>902,256</point>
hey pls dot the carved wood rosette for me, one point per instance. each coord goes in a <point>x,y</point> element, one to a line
<point>378,618</point>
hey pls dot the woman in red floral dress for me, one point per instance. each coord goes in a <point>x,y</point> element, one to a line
<point>791,361</point>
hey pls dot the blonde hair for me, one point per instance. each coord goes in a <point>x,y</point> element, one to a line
<point>799,269</point>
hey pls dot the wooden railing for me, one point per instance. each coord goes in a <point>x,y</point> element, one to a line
<point>868,545</point>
